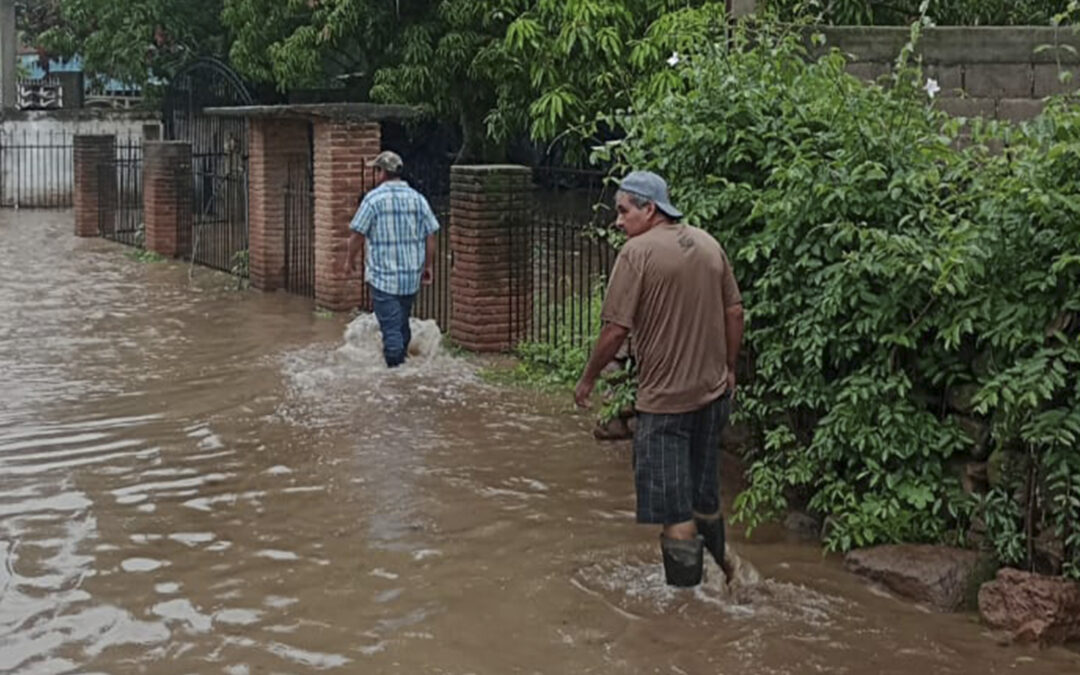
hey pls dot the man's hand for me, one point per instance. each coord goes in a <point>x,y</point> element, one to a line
<point>428,276</point>
<point>584,392</point>
<point>344,267</point>
<point>612,336</point>
<point>731,381</point>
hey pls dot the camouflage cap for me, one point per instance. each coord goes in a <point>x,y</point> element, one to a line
<point>390,162</point>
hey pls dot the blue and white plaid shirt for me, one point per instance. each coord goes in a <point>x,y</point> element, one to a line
<point>395,221</point>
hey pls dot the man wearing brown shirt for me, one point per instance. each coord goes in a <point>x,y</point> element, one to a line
<point>673,288</point>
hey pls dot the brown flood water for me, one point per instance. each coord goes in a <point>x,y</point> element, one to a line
<point>195,480</point>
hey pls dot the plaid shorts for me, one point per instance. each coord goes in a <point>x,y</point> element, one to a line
<point>676,463</point>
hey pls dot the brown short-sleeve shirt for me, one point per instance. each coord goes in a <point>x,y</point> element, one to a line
<point>671,286</point>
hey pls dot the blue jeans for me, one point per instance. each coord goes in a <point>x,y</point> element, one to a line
<point>392,311</point>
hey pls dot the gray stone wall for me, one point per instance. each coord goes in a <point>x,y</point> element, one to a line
<point>992,72</point>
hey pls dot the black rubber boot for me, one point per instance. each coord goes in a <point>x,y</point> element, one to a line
<point>683,560</point>
<point>711,530</point>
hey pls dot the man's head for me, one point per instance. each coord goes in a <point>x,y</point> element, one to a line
<point>387,166</point>
<point>642,203</point>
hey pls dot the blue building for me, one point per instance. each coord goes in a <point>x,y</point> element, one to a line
<point>63,84</point>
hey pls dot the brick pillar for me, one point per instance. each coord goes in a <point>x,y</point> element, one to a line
<point>274,147</point>
<point>342,150</point>
<point>490,280</point>
<point>92,186</point>
<point>167,197</point>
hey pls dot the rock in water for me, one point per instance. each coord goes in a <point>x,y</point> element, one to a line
<point>1032,607</point>
<point>936,575</point>
<point>802,525</point>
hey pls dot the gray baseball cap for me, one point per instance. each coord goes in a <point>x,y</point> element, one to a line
<point>652,187</point>
<point>389,161</point>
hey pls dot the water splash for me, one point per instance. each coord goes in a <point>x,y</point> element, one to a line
<point>632,583</point>
<point>363,340</point>
<point>333,384</point>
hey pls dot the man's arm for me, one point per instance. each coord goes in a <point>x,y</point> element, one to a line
<point>356,242</point>
<point>607,346</point>
<point>359,227</point>
<point>734,322</point>
<point>429,260</point>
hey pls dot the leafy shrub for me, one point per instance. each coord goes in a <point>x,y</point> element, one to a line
<point>883,268</point>
<point>559,362</point>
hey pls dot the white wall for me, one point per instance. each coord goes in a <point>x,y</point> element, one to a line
<point>36,156</point>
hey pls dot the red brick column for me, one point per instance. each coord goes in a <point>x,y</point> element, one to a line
<point>92,186</point>
<point>342,150</point>
<point>490,280</point>
<point>275,147</point>
<point>167,197</point>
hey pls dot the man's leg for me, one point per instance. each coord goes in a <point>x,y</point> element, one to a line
<point>388,312</point>
<point>709,422</point>
<point>665,492</point>
<point>406,302</point>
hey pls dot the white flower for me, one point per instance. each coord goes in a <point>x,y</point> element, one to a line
<point>674,60</point>
<point>932,87</point>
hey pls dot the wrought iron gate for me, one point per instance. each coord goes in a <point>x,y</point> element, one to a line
<point>300,230</point>
<point>219,149</point>
<point>120,195</point>
<point>432,179</point>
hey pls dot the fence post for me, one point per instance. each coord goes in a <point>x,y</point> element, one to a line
<point>342,149</point>
<point>275,145</point>
<point>167,197</point>
<point>492,297</point>
<point>94,192</point>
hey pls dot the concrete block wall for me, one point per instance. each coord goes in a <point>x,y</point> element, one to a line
<point>991,72</point>
<point>37,169</point>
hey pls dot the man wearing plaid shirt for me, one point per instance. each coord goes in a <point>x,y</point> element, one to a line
<point>398,226</point>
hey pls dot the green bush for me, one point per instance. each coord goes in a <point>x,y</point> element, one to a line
<point>558,362</point>
<point>883,269</point>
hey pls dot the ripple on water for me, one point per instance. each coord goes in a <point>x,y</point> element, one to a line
<point>139,565</point>
<point>275,554</point>
<point>238,617</point>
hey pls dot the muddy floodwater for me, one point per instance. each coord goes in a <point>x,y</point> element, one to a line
<point>199,480</point>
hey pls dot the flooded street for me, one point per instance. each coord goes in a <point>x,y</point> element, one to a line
<point>194,479</point>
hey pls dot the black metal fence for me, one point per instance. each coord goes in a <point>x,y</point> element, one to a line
<point>562,256</point>
<point>36,169</point>
<point>300,232</point>
<point>120,195</point>
<point>434,300</point>
<point>219,236</point>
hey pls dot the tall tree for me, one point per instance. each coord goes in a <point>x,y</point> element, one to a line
<point>319,43</point>
<point>34,17</point>
<point>450,63</point>
<point>137,41</point>
<point>575,60</point>
<point>546,67</point>
<point>498,68</point>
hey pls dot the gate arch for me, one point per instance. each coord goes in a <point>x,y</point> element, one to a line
<point>205,83</point>
<point>219,158</point>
